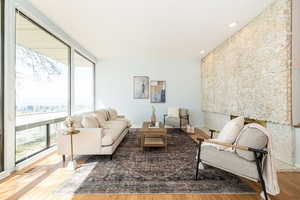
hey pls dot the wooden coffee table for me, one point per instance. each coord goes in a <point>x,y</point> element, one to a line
<point>153,137</point>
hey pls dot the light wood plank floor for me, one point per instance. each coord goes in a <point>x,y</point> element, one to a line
<point>38,181</point>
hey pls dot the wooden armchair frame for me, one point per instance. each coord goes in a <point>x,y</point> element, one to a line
<point>258,154</point>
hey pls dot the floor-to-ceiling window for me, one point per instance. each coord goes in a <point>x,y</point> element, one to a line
<point>1,84</point>
<point>83,84</point>
<point>42,87</point>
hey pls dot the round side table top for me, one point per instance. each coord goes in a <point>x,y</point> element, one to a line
<point>66,132</point>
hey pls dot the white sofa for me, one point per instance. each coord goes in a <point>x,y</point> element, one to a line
<point>100,133</point>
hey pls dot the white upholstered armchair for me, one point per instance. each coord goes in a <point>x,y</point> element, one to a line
<point>177,117</point>
<point>243,157</point>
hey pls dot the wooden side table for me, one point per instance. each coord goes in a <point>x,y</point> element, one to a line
<point>72,164</point>
<point>197,133</point>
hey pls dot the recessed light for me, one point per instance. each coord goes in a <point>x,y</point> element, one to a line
<point>202,52</point>
<point>233,24</point>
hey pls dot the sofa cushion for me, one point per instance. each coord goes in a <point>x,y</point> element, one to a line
<point>112,131</point>
<point>89,121</point>
<point>230,131</point>
<point>228,161</point>
<point>128,122</point>
<point>251,137</point>
<point>100,115</point>
<point>115,123</point>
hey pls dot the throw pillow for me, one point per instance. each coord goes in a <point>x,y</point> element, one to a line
<point>230,131</point>
<point>107,115</point>
<point>77,121</point>
<point>112,114</point>
<point>100,115</point>
<point>251,137</point>
<point>89,121</point>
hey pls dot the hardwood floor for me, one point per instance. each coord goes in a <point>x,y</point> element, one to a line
<point>38,181</point>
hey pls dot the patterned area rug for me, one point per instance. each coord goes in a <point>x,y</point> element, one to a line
<point>152,171</point>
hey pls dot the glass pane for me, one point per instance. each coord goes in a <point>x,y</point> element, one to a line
<point>54,128</point>
<point>83,84</point>
<point>30,141</point>
<point>42,63</point>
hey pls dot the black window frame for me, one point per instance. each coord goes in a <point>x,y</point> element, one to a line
<point>46,123</point>
<point>2,85</point>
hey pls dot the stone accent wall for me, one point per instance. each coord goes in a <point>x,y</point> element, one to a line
<point>250,73</point>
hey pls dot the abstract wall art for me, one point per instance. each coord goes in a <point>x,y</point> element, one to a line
<point>140,87</point>
<point>158,91</point>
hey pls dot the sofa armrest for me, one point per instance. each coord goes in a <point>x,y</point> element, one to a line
<point>245,148</point>
<point>87,142</point>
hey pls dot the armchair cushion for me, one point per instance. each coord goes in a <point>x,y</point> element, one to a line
<point>173,121</point>
<point>228,161</point>
<point>89,121</point>
<point>183,112</point>
<point>231,131</point>
<point>173,112</point>
<point>250,137</point>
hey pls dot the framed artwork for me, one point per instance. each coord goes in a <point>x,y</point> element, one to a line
<point>140,87</point>
<point>158,91</point>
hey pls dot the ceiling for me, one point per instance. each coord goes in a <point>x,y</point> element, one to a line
<point>144,29</point>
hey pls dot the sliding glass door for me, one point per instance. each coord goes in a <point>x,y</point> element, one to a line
<point>42,87</point>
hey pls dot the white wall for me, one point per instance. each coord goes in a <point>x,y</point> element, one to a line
<point>114,87</point>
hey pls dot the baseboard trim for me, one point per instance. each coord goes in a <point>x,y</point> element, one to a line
<point>27,162</point>
<point>6,174</point>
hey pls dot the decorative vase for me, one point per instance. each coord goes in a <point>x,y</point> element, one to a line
<point>69,124</point>
<point>153,117</point>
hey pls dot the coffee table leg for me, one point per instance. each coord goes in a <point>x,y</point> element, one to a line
<point>166,143</point>
<point>142,141</point>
